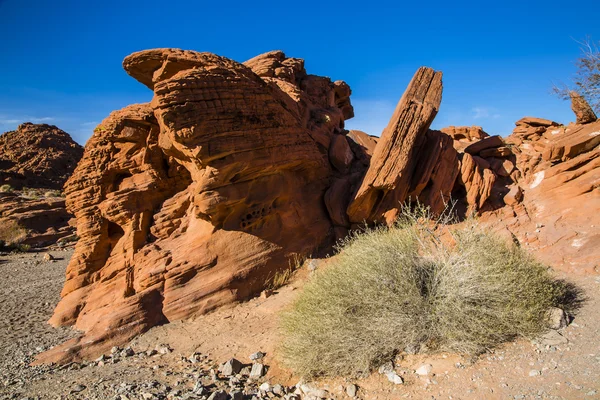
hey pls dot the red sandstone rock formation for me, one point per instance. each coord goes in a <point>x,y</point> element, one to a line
<point>553,206</point>
<point>233,170</point>
<point>196,199</point>
<point>37,221</point>
<point>388,180</point>
<point>582,109</point>
<point>37,156</point>
<point>40,157</point>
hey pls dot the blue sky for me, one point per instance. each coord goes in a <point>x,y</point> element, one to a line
<point>61,60</point>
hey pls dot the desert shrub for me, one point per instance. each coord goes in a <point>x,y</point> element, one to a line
<point>11,233</point>
<point>52,193</point>
<point>6,189</point>
<point>282,277</point>
<point>419,286</point>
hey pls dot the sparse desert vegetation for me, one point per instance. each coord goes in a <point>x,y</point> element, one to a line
<point>11,234</point>
<point>416,286</point>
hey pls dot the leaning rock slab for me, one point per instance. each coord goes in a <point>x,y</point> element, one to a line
<point>387,181</point>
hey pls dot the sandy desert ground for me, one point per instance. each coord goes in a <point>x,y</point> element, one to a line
<point>565,366</point>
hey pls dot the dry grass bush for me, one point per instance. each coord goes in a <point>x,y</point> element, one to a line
<point>416,285</point>
<point>11,233</point>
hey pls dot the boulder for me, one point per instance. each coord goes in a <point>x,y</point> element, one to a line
<point>535,122</point>
<point>584,113</point>
<point>478,180</point>
<point>467,133</point>
<point>340,154</point>
<point>496,152</point>
<point>486,143</point>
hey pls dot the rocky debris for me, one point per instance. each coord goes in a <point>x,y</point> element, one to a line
<point>394,378</point>
<point>351,390</point>
<point>465,133</point>
<point>257,371</point>
<point>582,109</point>
<point>387,181</point>
<point>257,356</point>
<point>37,156</point>
<point>484,144</point>
<point>424,369</point>
<point>231,367</point>
<point>557,318</point>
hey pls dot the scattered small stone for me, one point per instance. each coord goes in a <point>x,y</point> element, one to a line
<point>266,294</point>
<point>351,390</point>
<point>199,389</point>
<point>534,372</point>
<point>246,370</point>
<point>265,387</point>
<point>394,378</point>
<point>231,367</point>
<point>219,395</point>
<point>77,388</point>
<point>164,349</point>
<point>127,352</point>
<point>236,395</point>
<point>552,338</point>
<point>48,257</point>
<point>386,368</point>
<point>278,389</point>
<point>557,318</point>
<point>257,356</point>
<point>591,393</point>
<point>195,358</point>
<point>310,390</point>
<point>151,353</point>
<point>258,370</point>
<point>424,369</point>
<point>115,350</point>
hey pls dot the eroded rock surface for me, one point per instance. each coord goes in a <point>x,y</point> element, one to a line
<point>234,171</point>
<point>199,198</point>
<point>37,156</point>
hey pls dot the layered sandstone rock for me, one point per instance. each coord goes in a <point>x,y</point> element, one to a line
<point>582,109</point>
<point>233,171</point>
<point>198,198</point>
<point>37,156</point>
<point>553,209</point>
<point>35,162</point>
<point>388,180</point>
<point>36,221</point>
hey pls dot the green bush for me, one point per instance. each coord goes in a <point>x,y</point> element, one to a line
<point>416,285</point>
<point>6,189</point>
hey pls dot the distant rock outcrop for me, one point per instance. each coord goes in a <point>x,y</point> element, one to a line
<point>37,156</point>
<point>35,162</point>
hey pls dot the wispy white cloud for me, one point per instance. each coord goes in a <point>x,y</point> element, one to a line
<point>485,113</point>
<point>19,120</point>
<point>90,124</point>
